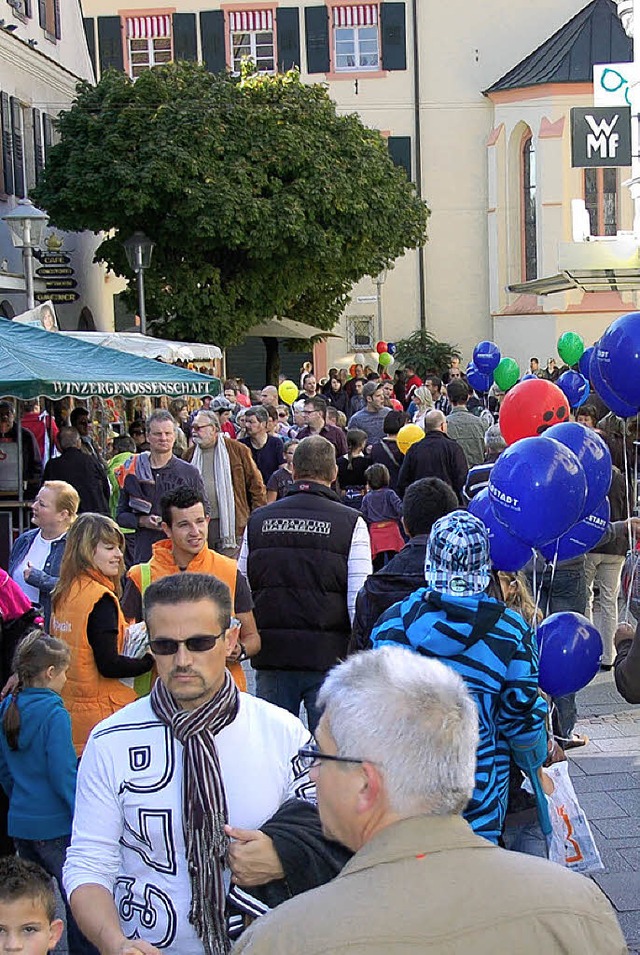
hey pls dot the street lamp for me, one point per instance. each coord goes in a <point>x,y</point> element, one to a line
<point>379,281</point>
<point>26,226</point>
<point>138,250</point>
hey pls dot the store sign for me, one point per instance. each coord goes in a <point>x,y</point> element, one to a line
<point>612,82</point>
<point>58,274</point>
<point>600,136</point>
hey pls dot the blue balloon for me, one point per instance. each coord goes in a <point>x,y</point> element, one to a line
<point>507,552</point>
<point>585,362</point>
<point>391,348</point>
<point>486,357</point>
<point>582,537</point>
<point>529,375</point>
<point>574,386</point>
<point>618,354</point>
<point>612,400</point>
<point>477,379</point>
<point>538,488</point>
<point>592,453</point>
<point>570,653</point>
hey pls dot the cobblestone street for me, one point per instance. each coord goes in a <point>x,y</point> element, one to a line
<point>606,776</point>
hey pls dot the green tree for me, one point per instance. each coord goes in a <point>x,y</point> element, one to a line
<point>425,353</point>
<point>262,200</point>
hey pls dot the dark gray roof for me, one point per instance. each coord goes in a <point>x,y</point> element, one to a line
<point>594,35</point>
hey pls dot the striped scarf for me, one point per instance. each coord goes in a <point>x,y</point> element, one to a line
<point>204,804</point>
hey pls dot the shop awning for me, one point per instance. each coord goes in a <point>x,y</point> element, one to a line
<point>148,347</point>
<point>35,362</point>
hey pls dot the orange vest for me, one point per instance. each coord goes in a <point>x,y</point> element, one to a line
<point>162,564</point>
<point>88,696</point>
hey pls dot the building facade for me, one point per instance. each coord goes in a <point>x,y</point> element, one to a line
<point>43,56</point>
<point>426,74</point>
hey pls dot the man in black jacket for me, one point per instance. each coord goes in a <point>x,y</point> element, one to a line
<point>306,557</point>
<point>82,471</point>
<point>437,455</point>
<point>425,502</point>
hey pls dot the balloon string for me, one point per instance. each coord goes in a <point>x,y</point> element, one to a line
<point>625,458</point>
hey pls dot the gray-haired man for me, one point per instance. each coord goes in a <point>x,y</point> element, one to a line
<point>394,768</point>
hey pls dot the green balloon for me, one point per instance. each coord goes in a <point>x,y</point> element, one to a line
<point>570,348</point>
<point>506,374</point>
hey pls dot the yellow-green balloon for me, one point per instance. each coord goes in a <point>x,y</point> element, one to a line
<point>288,392</point>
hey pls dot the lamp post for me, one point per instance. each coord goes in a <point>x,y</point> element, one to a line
<point>138,249</point>
<point>379,280</point>
<point>26,226</point>
<point>631,26</point>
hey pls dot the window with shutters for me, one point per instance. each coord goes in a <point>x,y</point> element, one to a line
<point>19,158</point>
<point>251,35</point>
<point>149,43</point>
<point>529,211</point>
<point>601,199</point>
<point>356,42</point>
<point>49,12</point>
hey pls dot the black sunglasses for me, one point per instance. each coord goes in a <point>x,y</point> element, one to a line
<point>310,756</point>
<point>166,647</point>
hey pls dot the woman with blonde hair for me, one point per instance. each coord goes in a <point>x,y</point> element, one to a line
<point>36,556</point>
<point>423,399</point>
<point>87,616</point>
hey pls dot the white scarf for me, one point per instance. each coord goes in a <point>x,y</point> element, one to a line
<point>224,489</point>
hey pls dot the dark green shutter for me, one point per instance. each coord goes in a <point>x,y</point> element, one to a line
<point>212,39</point>
<point>393,32</point>
<point>42,13</point>
<point>18,148</point>
<point>56,14</point>
<point>47,126</point>
<point>7,143</point>
<point>89,32</point>
<point>400,152</point>
<point>288,26</point>
<point>110,44</point>
<point>38,153</point>
<point>316,20</point>
<point>184,36</point>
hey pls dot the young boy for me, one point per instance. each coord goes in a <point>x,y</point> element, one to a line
<point>28,925</point>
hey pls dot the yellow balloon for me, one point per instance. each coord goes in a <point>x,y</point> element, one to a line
<point>288,392</point>
<point>407,435</point>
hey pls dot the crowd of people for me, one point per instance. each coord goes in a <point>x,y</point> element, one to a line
<point>377,771</point>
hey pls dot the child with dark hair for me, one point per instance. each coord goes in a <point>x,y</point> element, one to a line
<point>352,467</point>
<point>382,510</point>
<point>38,762</point>
<point>27,899</point>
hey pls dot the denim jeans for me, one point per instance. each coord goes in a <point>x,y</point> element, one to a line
<point>568,592</point>
<point>528,838</point>
<point>50,854</point>
<point>290,688</point>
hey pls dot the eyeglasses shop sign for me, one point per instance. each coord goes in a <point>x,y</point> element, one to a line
<point>600,136</point>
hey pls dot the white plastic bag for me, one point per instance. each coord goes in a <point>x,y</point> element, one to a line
<point>572,844</point>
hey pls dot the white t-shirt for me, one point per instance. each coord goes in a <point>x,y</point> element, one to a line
<point>127,828</point>
<point>37,556</point>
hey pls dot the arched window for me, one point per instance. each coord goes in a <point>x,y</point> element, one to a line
<point>529,229</point>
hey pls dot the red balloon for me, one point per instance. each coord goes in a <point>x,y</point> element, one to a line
<point>381,347</point>
<point>352,370</point>
<point>531,407</point>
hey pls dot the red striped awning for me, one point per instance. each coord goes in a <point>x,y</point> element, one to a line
<point>242,21</point>
<point>357,15</point>
<point>142,28</point>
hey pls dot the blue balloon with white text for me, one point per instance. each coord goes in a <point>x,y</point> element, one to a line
<point>592,453</point>
<point>507,552</point>
<point>582,537</point>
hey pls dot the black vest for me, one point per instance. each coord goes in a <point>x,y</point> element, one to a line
<point>298,572</point>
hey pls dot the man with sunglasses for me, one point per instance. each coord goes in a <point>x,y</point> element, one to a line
<point>172,791</point>
<point>394,768</point>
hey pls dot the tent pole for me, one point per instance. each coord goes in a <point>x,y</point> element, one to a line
<point>20,465</point>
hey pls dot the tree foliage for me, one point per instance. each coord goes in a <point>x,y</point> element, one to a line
<point>262,200</point>
<point>425,353</point>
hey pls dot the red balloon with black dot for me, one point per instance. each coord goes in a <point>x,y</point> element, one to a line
<point>531,407</point>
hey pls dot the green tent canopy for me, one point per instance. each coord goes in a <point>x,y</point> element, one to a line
<point>35,362</point>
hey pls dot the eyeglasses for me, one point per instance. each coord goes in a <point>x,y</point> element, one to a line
<point>201,427</point>
<point>310,757</point>
<point>166,647</point>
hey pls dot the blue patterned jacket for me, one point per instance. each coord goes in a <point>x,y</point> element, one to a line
<point>495,652</point>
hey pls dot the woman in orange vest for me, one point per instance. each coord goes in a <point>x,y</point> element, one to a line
<point>87,616</point>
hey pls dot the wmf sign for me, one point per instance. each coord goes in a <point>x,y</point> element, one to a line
<point>601,136</point>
